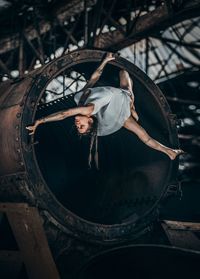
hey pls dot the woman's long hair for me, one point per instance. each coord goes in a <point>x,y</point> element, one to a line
<point>93,143</point>
<point>91,132</point>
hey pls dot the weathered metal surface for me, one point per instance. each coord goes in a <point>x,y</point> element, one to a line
<point>18,153</point>
<point>11,158</point>
<point>11,107</point>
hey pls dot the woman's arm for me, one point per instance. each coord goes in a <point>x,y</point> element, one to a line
<point>87,110</point>
<point>96,75</point>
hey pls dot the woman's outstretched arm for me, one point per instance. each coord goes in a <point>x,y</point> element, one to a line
<point>87,110</point>
<point>97,73</point>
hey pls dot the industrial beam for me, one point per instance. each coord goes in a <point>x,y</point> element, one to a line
<point>71,8</point>
<point>177,43</point>
<point>146,25</point>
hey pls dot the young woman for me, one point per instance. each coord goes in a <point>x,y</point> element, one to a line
<point>104,110</point>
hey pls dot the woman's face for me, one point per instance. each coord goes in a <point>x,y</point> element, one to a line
<point>83,123</point>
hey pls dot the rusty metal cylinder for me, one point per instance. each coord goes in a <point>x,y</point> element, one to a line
<point>25,174</point>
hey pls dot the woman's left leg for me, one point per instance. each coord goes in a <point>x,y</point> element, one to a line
<point>134,127</point>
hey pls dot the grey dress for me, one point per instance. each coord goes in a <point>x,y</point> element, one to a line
<point>111,107</point>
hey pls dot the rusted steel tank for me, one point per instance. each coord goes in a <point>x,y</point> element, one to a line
<point>113,204</point>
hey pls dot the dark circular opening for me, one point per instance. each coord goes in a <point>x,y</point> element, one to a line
<point>132,176</point>
<point>143,262</point>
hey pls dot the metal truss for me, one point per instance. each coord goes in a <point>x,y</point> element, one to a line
<point>34,36</point>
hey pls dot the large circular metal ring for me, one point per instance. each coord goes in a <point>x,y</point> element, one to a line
<point>21,161</point>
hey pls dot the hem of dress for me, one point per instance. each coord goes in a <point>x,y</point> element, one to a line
<point>115,130</point>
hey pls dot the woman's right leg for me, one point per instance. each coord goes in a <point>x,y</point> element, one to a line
<point>134,127</point>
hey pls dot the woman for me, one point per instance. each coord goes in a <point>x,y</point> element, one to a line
<point>104,110</point>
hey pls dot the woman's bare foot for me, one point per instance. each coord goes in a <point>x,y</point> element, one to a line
<point>173,153</point>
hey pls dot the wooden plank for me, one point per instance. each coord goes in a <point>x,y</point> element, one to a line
<point>13,207</point>
<point>32,242</point>
<point>177,225</point>
<point>182,234</point>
